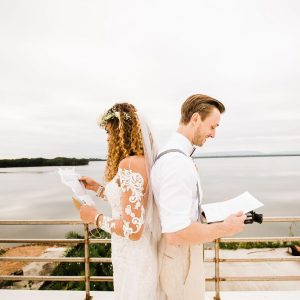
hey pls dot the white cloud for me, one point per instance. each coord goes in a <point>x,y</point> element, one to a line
<point>64,62</point>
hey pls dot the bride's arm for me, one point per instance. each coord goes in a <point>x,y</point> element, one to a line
<point>132,182</point>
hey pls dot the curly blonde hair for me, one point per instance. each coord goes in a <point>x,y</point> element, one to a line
<point>125,136</point>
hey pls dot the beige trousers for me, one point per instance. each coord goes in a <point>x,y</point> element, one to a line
<point>182,272</point>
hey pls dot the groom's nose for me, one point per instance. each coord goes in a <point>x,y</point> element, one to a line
<point>213,133</point>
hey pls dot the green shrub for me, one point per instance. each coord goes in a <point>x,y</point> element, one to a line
<point>78,269</point>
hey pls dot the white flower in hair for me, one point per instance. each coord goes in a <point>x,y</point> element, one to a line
<point>110,114</point>
<point>126,116</point>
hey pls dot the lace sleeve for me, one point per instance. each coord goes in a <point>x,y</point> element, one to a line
<point>131,223</point>
<point>132,184</point>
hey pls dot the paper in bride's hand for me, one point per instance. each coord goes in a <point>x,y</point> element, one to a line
<point>218,211</point>
<point>71,178</point>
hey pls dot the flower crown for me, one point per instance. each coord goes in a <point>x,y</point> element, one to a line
<point>111,114</point>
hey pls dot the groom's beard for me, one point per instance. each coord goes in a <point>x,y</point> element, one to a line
<point>199,140</point>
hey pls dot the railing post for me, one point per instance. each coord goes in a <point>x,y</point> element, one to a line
<point>217,270</point>
<point>87,263</point>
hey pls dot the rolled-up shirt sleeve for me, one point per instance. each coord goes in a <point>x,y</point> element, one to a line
<point>174,188</point>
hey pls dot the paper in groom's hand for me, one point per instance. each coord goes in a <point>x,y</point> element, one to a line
<point>219,211</point>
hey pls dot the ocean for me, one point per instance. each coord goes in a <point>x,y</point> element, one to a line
<point>37,193</point>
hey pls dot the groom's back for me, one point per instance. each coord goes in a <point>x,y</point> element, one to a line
<point>174,181</point>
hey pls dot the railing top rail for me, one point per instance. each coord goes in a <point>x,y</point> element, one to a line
<point>79,222</point>
<point>41,222</point>
<point>281,219</point>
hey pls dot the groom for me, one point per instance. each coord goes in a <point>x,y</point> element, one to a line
<point>178,194</point>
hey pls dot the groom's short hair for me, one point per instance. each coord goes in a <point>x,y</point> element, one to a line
<point>201,104</point>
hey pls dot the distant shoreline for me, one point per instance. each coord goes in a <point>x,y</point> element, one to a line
<point>42,162</point>
<point>64,161</point>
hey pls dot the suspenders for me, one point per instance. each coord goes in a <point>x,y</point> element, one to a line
<point>169,151</point>
<point>200,217</point>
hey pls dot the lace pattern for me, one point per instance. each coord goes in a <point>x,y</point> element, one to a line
<point>134,182</point>
<point>107,224</point>
<point>134,209</point>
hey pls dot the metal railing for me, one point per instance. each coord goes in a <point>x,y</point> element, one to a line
<point>217,260</point>
<point>87,260</point>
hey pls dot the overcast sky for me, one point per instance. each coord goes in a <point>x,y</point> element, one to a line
<point>64,62</point>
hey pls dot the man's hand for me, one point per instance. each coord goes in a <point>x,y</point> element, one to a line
<point>234,223</point>
<point>89,183</point>
<point>88,213</point>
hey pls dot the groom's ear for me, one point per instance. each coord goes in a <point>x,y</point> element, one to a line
<point>195,119</point>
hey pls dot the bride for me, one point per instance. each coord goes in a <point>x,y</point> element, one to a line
<point>134,225</point>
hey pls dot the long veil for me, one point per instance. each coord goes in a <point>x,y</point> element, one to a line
<point>150,153</point>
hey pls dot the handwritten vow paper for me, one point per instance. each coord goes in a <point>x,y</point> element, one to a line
<point>218,211</point>
<point>71,179</point>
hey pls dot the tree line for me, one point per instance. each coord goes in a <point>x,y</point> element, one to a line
<point>42,162</point>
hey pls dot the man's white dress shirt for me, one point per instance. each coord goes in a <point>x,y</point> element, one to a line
<point>174,180</point>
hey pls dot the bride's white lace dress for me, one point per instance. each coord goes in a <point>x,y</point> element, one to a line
<point>134,262</point>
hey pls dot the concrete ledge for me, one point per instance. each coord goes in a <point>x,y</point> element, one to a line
<point>257,295</point>
<point>75,295</point>
<point>50,295</point>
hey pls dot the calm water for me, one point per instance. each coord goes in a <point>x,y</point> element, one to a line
<point>37,193</point>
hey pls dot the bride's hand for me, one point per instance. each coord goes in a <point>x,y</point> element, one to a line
<point>89,183</point>
<point>88,213</point>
